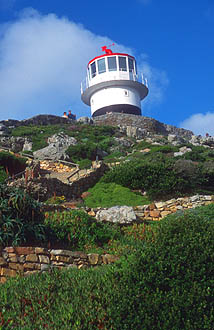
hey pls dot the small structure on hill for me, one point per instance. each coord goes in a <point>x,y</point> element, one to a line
<point>113,85</point>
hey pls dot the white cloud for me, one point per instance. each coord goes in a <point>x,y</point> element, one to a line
<point>42,62</point>
<point>200,123</point>
<point>158,82</point>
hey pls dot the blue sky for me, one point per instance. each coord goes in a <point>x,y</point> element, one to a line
<point>45,46</point>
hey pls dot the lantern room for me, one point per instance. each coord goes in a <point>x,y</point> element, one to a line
<point>113,84</point>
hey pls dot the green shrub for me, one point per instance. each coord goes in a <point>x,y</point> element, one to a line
<point>166,284</point>
<point>11,163</point>
<point>84,163</point>
<point>82,151</point>
<point>106,143</point>
<point>111,194</point>
<point>38,134</point>
<point>75,229</point>
<point>164,149</point>
<point>114,157</point>
<point>158,179</point>
<point>57,200</point>
<point>21,219</point>
<point>195,156</point>
<point>3,175</point>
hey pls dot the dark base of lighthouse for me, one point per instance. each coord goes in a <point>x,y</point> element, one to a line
<point>122,108</point>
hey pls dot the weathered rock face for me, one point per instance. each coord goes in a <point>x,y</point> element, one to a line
<point>85,120</point>
<point>123,142</point>
<point>27,145</point>
<point>117,214</point>
<point>182,151</point>
<point>37,120</point>
<point>58,144</point>
<point>139,126</point>
<point>15,144</point>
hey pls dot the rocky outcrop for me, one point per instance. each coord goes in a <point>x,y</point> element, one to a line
<point>13,143</point>
<point>85,120</point>
<point>25,261</point>
<point>139,126</point>
<point>117,214</point>
<point>58,144</point>
<point>36,120</point>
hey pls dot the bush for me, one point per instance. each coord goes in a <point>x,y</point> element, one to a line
<point>57,200</point>
<point>75,229</point>
<point>158,179</point>
<point>3,175</point>
<point>166,284</point>
<point>85,163</point>
<point>11,163</point>
<point>21,219</point>
<point>111,194</point>
<point>82,151</point>
<point>114,157</point>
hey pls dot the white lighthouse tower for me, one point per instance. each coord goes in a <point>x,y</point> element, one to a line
<point>112,84</point>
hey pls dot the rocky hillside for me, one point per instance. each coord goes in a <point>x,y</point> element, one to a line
<point>92,147</point>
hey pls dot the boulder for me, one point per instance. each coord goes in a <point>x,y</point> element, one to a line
<point>27,145</point>
<point>123,142</point>
<point>58,144</point>
<point>117,214</point>
<point>85,120</point>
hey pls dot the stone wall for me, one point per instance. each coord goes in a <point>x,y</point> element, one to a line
<point>42,188</point>
<point>29,260</point>
<point>158,210</point>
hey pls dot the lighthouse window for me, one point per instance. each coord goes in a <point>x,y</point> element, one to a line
<point>112,65</point>
<point>101,65</point>
<point>93,69</point>
<point>122,63</point>
<point>131,65</point>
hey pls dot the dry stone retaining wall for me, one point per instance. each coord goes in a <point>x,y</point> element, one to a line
<point>29,260</point>
<point>158,210</point>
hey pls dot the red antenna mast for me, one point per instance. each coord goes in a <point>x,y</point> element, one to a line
<point>107,50</point>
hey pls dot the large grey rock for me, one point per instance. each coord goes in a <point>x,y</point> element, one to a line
<point>85,120</point>
<point>182,151</point>
<point>13,143</point>
<point>27,145</point>
<point>175,140</point>
<point>117,214</point>
<point>62,140</point>
<point>123,142</point>
<point>58,144</point>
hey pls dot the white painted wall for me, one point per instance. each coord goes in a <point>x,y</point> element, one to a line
<point>112,96</point>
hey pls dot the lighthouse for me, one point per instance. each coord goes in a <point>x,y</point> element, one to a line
<point>113,84</point>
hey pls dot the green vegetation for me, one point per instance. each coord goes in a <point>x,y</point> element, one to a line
<point>114,157</point>
<point>111,194</point>
<point>21,220</point>
<point>84,163</point>
<point>3,174</point>
<point>83,133</point>
<point>57,200</point>
<point>82,151</point>
<point>166,283</point>
<point>11,163</point>
<point>38,134</point>
<point>158,179</point>
<point>77,230</point>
